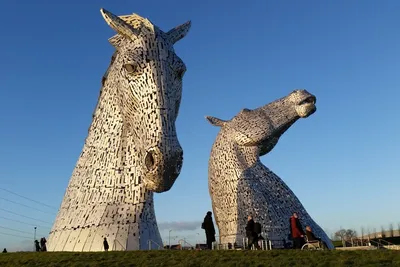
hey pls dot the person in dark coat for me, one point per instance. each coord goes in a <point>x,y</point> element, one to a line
<point>43,244</point>
<point>105,244</point>
<point>208,226</point>
<point>251,234</point>
<point>37,246</point>
<point>296,231</point>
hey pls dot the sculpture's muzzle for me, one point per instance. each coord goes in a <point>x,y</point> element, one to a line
<point>162,167</point>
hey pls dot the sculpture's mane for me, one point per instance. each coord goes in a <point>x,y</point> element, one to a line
<point>264,147</point>
<point>138,22</point>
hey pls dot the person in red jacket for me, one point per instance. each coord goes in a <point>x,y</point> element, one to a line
<point>296,231</point>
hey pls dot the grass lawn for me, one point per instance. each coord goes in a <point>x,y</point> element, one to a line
<point>203,258</point>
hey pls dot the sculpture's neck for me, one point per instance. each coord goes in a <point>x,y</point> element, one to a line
<point>109,129</point>
<point>242,156</point>
<point>282,115</point>
<point>110,145</point>
<point>113,148</point>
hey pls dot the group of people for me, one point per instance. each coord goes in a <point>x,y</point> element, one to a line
<point>41,246</point>
<point>253,232</point>
<point>298,235</point>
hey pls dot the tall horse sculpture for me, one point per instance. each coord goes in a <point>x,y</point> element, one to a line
<point>240,184</point>
<point>132,149</point>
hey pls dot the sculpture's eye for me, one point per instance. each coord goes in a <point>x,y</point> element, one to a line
<point>131,68</point>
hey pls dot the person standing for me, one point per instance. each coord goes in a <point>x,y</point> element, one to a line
<point>43,243</point>
<point>208,226</point>
<point>251,233</point>
<point>37,246</point>
<point>105,244</point>
<point>296,231</point>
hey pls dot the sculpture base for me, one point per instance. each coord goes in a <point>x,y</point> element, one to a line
<point>119,238</point>
<point>271,203</point>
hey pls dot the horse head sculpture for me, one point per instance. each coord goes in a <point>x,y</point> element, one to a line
<point>149,77</point>
<point>240,184</point>
<point>132,149</point>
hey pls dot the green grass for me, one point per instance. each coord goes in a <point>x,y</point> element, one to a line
<point>204,258</point>
<point>337,244</point>
<point>393,240</point>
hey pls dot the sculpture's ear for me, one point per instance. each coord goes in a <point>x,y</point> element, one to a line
<point>215,121</point>
<point>179,32</point>
<point>118,25</point>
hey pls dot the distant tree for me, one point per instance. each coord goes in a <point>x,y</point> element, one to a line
<point>374,232</point>
<point>391,230</point>
<point>345,235</point>
<point>341,234</point>
<point>362,232</point>
<point>351,233</point>
<point>383,232</point>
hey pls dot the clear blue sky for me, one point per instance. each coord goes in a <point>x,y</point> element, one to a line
<point>340,162</point>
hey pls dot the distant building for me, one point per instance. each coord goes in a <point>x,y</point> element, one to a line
<point>388,233</point>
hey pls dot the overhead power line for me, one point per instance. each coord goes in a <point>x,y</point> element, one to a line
<point>11,201</point>
<point>6,190</point>
<point>25,237</point>
<point>23,232</point>
<point>31,224</point>
<point>24,216</point>
<point>15,230</point>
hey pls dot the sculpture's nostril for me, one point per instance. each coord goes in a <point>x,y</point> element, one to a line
<point>149,160</point>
